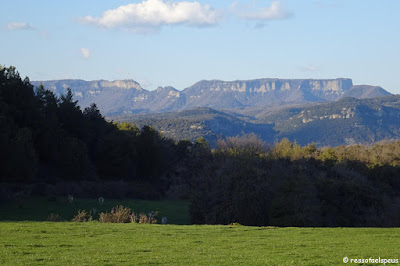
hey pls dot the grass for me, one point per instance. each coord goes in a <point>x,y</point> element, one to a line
<point>38,209</point>
<point>26,239</point>
<point>94,243</point>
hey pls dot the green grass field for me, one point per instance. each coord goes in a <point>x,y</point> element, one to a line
<point>25,238</point>
<point>94,243</point>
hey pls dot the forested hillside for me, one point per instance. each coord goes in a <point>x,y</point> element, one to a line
<point>50,147</point>
<point>201,122</point>
<point>49,139</point>
<point>343,122</point>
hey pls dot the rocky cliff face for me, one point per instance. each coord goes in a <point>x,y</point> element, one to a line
<point>119,96</point>
<point>127,96</point>
<point>218,93</point>
<point>110,96</point>
<point>262,86</point>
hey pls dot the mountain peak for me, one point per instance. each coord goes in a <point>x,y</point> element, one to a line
<point>127,96</point>
<point>365,91</point>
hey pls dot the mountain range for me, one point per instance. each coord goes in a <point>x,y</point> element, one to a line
<point>327,111</point>
<point>347,121</point>
<point>128,97</point>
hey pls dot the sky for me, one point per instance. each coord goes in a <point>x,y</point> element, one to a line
<point>177,43</point>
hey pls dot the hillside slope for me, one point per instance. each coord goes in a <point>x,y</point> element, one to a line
<point>344,122</point>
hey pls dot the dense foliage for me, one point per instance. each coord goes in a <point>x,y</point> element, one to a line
<point>47,140</point>
<point>290,185</point>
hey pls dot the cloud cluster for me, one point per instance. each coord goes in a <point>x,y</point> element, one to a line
<point>309,68</point>
<point>85,52</point>
<point>19,26</point>
<point>152,14</point>
<point>273,12</point>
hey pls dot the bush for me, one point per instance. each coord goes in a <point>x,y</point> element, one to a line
<point>144,219</point>
<point>82,216</point>
<point>121,214</point>
<point>106,217</point>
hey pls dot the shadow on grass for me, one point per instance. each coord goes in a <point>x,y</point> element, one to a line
<point>39,209</point>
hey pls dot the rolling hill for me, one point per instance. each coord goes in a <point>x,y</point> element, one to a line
<point>344,122</point>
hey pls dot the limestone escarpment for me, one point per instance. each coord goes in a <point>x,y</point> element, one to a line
<point>127,96</point>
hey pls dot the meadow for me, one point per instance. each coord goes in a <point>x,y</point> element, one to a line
<point>26,238</point>
<point>94,243</point>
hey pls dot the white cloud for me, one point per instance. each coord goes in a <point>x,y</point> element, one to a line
<point>150,15</point>
<point>273,12</point>
<point>310,68</point>
<point>85,52</point>
<point>19,26</point>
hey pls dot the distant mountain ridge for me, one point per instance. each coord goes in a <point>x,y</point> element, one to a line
<point>128,97</point>
<point>265,92</point>
<point>365,91</point>
<point>347,121</point>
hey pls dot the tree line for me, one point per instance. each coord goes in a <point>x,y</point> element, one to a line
<point>285,184</point>
<point>49,139</point>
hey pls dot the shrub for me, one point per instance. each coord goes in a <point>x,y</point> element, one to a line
<point>105,217</point>
<point>121,214</point>
<point>54,217</point>
<point>82,216</point>
<point>144,219</point>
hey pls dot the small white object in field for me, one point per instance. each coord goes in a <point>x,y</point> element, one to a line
<point>101,200</point>
<point>70,198</point>
<point>151,214</point>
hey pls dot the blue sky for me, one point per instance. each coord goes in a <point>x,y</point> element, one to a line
<point>177,43</point>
